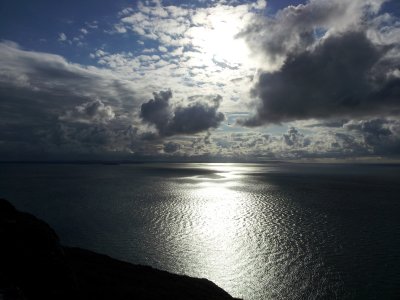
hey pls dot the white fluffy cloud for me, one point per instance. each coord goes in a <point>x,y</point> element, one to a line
<point>93,111</point>
<point>298,28</point>
<point>197,49</point>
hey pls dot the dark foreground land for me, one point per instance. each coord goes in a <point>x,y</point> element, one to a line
<point>33,265</point>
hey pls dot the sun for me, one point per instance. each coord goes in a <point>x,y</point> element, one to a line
<point>217,42</point>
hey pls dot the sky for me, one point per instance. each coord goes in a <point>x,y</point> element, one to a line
<point>199,80</point>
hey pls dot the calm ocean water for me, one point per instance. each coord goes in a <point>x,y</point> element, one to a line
<point>260,231</point>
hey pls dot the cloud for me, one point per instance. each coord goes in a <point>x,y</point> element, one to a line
<point>346,75</point>
<point>62,37</point>
<point>94,111</point>
<point>193,118</point>
<point>382,136</point>
<point>171,147</point>
<point>351,140</point>
<point>50,105</point>
<point>329,67</point>
<point>196,45</point>
<point>196,118</point>
<point>296,28</point>
<point>157,111</point>
<point>293,138</point>
<point>325,60</point>
<point>51,74</point>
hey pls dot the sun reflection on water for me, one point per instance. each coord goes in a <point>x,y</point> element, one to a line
<point>220,208</point>
<point>220,212</point>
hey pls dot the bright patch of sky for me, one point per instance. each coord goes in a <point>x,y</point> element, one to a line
<point>191,50</point>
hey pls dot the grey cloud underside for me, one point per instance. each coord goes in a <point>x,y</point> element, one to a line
<point>382,135</point>
<point>48,105</point>
<point>169,120</point>
<point>333,59</point>
<point>344,76</point>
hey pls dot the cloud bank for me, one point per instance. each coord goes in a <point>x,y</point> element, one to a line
<point>51,106</point>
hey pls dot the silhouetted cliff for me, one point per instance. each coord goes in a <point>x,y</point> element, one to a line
<point>33,265</point>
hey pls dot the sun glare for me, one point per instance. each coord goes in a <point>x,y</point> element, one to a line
<point>218,44</point>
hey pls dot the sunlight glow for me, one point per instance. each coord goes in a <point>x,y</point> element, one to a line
<point>220,201</point>
<point>217,42</point>
<point>220,215</point>
<point>219,211</point>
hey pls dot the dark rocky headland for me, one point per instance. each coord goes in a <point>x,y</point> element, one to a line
<point>34,265</point>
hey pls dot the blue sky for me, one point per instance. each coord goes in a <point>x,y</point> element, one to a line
<point>37,25</point>
<point>200,79</point>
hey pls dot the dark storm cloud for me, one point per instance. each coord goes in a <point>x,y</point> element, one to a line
<point>170,120</point>
<point>345,75</point>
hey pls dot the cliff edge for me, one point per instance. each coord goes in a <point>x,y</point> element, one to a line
<point>34,265</point>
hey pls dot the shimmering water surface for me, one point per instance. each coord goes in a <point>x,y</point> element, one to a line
<point>260,231</point>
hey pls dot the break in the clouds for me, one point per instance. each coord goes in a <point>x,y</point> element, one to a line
<point>211,79</point>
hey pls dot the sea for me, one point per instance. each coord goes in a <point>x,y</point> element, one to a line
<point>275,230</point>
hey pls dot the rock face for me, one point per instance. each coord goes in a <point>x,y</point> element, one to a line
<point>33,265</point>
